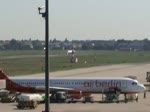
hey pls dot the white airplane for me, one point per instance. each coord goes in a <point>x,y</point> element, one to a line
<point>73,86</point>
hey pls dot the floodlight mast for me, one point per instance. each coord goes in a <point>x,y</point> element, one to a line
<point>42,13</point>
<point>46,16</point>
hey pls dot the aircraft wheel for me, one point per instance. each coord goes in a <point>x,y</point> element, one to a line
<point>126,101</point>
<point>84,101</point>
<point>117,101</point>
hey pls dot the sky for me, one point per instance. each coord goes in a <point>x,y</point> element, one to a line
<point>76,19</point>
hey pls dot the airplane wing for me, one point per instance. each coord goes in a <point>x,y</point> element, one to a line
<point>54,89</point>
<point>60,89</point>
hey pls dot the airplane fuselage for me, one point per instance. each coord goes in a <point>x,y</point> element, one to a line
<point>86,85</point>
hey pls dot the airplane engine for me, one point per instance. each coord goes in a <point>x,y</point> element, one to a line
<point>75,94</point>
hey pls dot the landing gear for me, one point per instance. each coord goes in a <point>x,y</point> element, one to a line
<point>125,98</point>
<point>137,99</point>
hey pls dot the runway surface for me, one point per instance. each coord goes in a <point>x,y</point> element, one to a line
<point>118,70</point>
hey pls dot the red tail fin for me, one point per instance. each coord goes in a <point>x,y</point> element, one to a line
<point>2,75</point>
<point>14,87</point>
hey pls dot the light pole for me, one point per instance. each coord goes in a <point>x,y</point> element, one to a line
<point>46,16</point>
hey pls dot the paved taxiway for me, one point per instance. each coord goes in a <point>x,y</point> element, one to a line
<point>138,70</point>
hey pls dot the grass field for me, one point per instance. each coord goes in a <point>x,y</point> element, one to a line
<point>30,62</point>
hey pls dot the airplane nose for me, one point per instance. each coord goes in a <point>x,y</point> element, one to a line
<point>142,88</point>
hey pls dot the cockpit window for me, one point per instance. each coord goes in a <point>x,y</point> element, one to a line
<point>134,83</point>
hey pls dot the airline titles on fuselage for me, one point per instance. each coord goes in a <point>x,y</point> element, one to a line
<point>96,83</point>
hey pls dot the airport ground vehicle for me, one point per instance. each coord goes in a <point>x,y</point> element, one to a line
<point>89,99</point>
<point>58,97</point>
<point>147,80</point>
<point>132,97</point>
<point>84,99</point>
<point>8,99</point>
<point>3,93</point>
<point>30,97</point>
<point>27,104</point>
<point>111,95</point>
<point>11,97</point>
<point>71,100</point>
<point>29,100</point>
<point>148,77</point>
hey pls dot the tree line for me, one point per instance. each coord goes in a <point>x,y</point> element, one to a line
<point>55,44</point>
